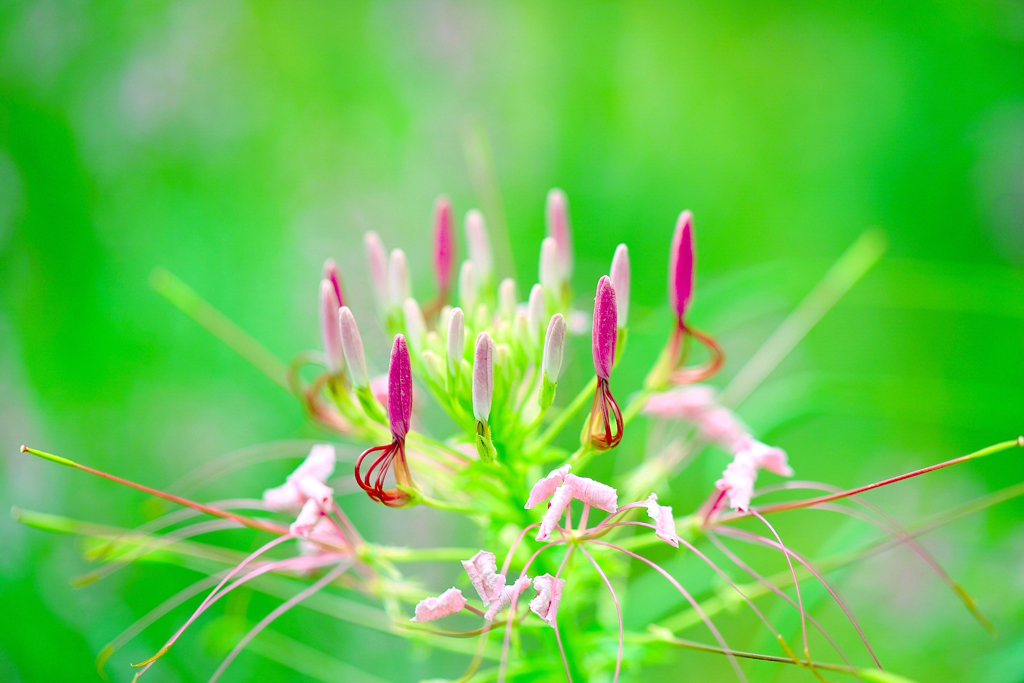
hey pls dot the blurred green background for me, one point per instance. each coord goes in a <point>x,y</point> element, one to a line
<point>239,144</point>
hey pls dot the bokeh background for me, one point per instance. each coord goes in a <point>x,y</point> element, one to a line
<point>238,144</point>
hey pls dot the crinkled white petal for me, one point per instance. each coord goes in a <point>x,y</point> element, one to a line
<point>483,574</point>
<point>430,609</point>
<point>664,522</point>
<point>594,493</point>
<point>314,489</point>
<point>543,489</point>
<point>559,501</point>
<point>283,498</point>
<point>319,464</point>
<point>549,595</point>
<point>508,594</point>
<point>307,519</point>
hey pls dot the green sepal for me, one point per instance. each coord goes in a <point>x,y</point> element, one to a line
<point>483,442</point>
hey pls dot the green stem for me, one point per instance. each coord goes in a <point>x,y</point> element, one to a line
<point>395,554</point>
<point>219,325</point>
<point>563,418</point>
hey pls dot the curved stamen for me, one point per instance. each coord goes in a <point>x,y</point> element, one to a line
<point>606,423</point>
<point>690,375</point>
<point>372,482</point>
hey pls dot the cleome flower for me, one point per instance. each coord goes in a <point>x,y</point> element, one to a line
<point>492,361</point>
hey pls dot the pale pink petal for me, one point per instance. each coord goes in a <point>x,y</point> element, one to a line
<point>283,498</point>
<point>559,501</point>
<point>593,493</point>
<point>549,595</point>
<point>543,489</point>
<point>307,519</point>
<point>723,427</point>
<point>738,481</point>
<point>430,609</point>
<point>314,489</point>
<point>319,464</point>
<point>771,459</point>
<point>686,403</point>
<point>664,522</point>
<point>483,574</point>
<point>508,594</point>
<point>322,538</point>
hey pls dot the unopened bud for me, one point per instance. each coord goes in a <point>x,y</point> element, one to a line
<point>469,286</point>
<point>535,310</point>
<point>444,244</point>
<point>456,344</point>
<point>620,283</point>
<point>604,334</point>
<point>557,215</point>
<point>479,244</point>
<point>398,278</point>
<point>554,348</point>
<point>483,376</point>
<point>329,331</point>
<point>507,298</point>
<point>377,259</point>
<point>415,325</point>
<point>352,345</point>
<point>399,389</point>
<point>681,266</point>
<point>330,272</point>
<point>550,274</point>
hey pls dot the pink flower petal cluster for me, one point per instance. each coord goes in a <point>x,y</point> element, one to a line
<point>305,483</point>
<point>664,522</point>
<point>549,595</point>
<point>483,574</point>
<point>562,488</point>
<point>508,594</point>
<point>739,477</point>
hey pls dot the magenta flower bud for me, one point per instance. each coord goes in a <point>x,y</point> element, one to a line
<point>554,347</point>
<point>456,343</point>
<point>377,259</point>
<point>398,278</point>
<point>681,265</point>
<point>604,333</point>
<point>352,345</point>
<point>329,330</point>
<point>479,244</point>
<point>399,389</point>
<point>331,273</point>
<point>620,283</point>
<point>550,274</point>
<point>557,214</point>
<point>535,310</point>
<point>444,244</point>
<point>507,298</point>
<point>469,287</point>
<point>483,376</point>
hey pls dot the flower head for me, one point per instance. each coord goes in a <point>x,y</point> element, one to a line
<point>604,429</point>
<point>562,488</point>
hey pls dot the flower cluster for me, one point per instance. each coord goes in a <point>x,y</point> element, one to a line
<point>492,361</point>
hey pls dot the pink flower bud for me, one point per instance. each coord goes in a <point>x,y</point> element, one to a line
<point>398,278</point>
<point>664,522</point>
<point>469,286</point>
<point>620,283</point>
<point>483,574</point>
<point>483,376</point>
<point>554,347</point>
<point>352,345</point>
<point>478,243</point>
<point>550,273</point>
<point>399,389</point>
<point>456,342</point>
<point>431,609</point>
<point>536,310</point>
<point>604,332</point>
<point>415,325</point>
<point>549,595</point>
<point>444,243</point>
<point>557,214</point>
<point>329,330</point>
<point>330,272</point>
<point>377,259</point>
<point>507,298</point>
<point>681,265</point>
